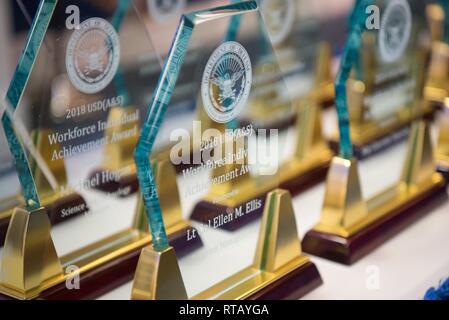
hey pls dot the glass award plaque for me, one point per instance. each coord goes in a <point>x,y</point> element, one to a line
<point>304,54</point>
<point>376,120</point>
<point>368,201</point>
<point>76,103</point>
<point>233,177</point>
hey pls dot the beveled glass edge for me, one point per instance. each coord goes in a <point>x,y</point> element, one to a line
<point>348,60</point>
<point>15,91</point>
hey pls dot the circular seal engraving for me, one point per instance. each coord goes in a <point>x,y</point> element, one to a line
<point>93,55</point>
<point>279,18</point>
<point>226,82</point>
<point>163,10</point>
<point>395,30</point>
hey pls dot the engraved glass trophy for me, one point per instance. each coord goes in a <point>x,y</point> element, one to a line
<point>229,177</point>
<point>392,58</point>
<point>72,140</point>
<point>367,202</point>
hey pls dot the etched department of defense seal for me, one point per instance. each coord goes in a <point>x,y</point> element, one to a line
<point>279,18</point>
<point>93,55</point>
<point>395,30</point>
<point>226,82</point>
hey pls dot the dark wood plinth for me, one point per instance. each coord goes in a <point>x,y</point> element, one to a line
<point>211,213</point>
<point>59,210</point>
<point>122,187</point>
<point>349,250</point>
<point>115,273</point>
<point>292,286</point>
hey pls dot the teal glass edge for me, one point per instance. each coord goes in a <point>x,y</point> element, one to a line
<point>15,91</point>
<point>348,60</point>
<point>157,108</point>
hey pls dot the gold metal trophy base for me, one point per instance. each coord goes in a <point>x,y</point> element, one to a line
<point>437,88</point>
<point>279,271</point>
<point>158,276</point>
<point>351,227</point>
<point>312,156</point>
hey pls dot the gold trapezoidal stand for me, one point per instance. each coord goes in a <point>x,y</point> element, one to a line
<point>437,86</point>
<point>324,91</point>
<point>312,155</point>
<point>29,262</point>
<point>350,226</point>
<point>280,269</point>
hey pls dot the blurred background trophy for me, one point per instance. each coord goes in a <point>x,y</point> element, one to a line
<point>384,98</point>
<point>357,214</point>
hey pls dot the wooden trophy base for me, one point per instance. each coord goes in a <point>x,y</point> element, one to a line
<point>105,271</point>
<point>348,250</point>
<point>113,183</point>
<point>290,282</point>
<point>59,209</point>
<point>292,286</point>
